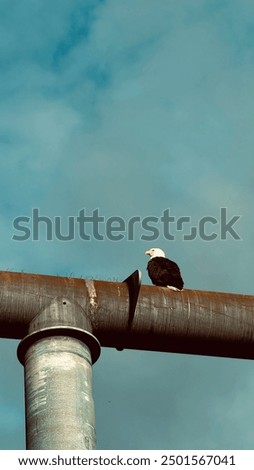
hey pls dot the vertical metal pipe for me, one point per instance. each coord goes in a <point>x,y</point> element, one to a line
<point>57,355</point>
<point>58,395</point>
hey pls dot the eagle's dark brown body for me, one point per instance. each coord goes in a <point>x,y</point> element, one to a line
<point>164,272</point>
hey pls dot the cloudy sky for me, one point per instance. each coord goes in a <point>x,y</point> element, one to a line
<point>132,108</point>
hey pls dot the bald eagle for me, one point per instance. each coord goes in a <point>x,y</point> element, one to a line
<point>162,271</point>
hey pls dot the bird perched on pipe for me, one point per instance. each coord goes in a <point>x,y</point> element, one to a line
<point>162,271</point>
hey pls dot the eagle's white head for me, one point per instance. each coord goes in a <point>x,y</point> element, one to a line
<point>153,252</point>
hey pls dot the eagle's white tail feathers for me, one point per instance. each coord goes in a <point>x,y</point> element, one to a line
<point>173,288</point>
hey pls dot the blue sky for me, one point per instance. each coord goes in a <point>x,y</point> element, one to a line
<point>133,107</point>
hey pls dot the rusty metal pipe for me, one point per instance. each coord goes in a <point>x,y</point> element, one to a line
<point>195,322</point>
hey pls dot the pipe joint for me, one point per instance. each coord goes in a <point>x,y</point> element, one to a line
<point>84,336</point>
<point>62,317</point>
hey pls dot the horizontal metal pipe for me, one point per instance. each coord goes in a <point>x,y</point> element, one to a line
<point>195,322</point>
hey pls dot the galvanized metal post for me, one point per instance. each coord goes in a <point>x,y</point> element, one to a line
<point>57,358</point>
